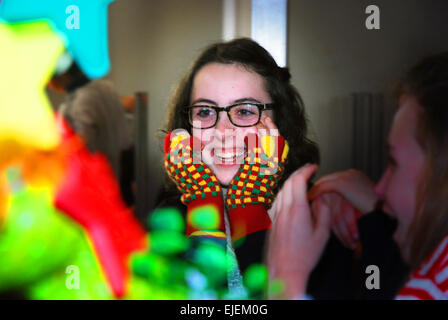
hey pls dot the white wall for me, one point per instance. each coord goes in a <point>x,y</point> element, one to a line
<point>332,54</point>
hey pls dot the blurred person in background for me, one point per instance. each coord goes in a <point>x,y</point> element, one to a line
<point>412,193</point>
<point>94,109</point>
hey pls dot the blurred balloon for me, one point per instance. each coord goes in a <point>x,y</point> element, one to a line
<point>82,22</point>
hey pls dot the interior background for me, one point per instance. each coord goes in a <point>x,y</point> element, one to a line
<point>330,55</point>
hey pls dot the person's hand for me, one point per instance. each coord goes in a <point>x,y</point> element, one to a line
<point>197,183</point>
<point>343,218</point>
<point>353,185</point>
<point>250,192</point>
<point>298,237</point>
<point>349,194</point>
<point>267,127</point>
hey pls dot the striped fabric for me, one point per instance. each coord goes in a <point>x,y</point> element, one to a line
<point>193,178</point>
<point>199,186</point>
<point>430,281</point>
<point>250,192</point>
<point>259,174</point>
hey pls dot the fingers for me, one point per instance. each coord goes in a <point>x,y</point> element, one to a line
<point>266,147</point>
<point>268,127</point>
<point>328,177</point>
<point>333,182</point>
<point>339,224</point>
<point>294,238</point>
<point>275,209</point>
<point>173,138</point>
<point>322,186</point>
<point>344,225</point>
<point>343,232</point>
<point>350,216</point>
<point>343,222</point>
<point>293,191</point>
<point>337,233</point>
<point>285,198</point>
<point>323,222</point>
<point>352,184</point>
<point>300,213</point>
<point>300,178</point>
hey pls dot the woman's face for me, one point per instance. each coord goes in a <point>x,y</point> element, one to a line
<point>223,85</point>
<point>399,183</point>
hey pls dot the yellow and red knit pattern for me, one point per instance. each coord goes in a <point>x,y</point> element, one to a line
<point>192,177</point>
<point>259,174</point>
<point>199,186</point>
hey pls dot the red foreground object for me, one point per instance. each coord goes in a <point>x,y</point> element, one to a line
<point>91,196</point>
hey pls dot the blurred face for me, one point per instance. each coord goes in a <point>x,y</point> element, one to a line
<point>399,183</point>
<point>222,85</point>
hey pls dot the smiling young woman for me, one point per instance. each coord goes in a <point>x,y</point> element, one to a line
<point>235,92</point>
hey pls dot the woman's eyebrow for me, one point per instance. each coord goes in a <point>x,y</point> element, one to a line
<point>210,102</point>
<point>248,99</point>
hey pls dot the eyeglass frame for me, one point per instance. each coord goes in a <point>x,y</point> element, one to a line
<point>261,107</point>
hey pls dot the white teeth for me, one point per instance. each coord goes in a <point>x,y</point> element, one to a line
<point>228,155</point>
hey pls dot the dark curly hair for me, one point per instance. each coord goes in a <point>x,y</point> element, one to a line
<point>289,111</point>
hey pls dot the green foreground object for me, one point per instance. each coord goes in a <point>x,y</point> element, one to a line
<point>48,255</point>
<point>38,245</point>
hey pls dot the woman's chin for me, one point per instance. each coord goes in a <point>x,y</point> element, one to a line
<point>226,174</point>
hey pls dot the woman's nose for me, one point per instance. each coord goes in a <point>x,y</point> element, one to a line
<point>225,131</point>
<point>224,123</point>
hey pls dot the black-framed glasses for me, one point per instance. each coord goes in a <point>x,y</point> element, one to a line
<point>245,114</point>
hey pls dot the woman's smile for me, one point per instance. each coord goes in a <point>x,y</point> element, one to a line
<point>228,157</point>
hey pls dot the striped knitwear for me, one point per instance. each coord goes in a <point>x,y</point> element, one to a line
<point>199,186</point>
<point>430,280</point>
<point>250,192</point>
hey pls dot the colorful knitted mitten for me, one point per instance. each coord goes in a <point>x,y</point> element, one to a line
<point>250,193</point>
<point>200,189</point>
